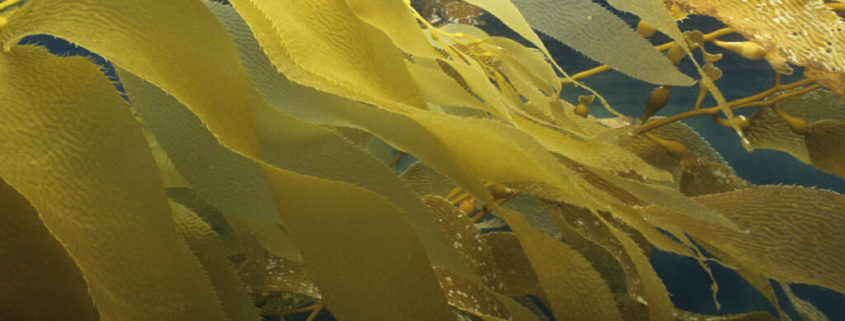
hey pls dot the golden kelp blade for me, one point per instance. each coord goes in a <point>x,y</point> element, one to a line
<point>323,44</point>
<point>620,260</point>
<point>654,12</point>
<point>416,133</point>
<point>464,160</point>
<point>826,145</point>
<point>404,284</point>
<point>223,178</point>
<point>806,33</point>
<point>682,315</point>
<point>823,112</point>
<point>755,279</point>
<point>208,248</point>
<point>38,278</point>
<point>768,130</point>
<point>703,177</point>
<point>424,180</point>
<point>573,287</point>
<point>466,296</point>
<point>602,36</point>
<point>463,149</point>
<point>179,46</point>
<point>655,295</point>
<point>517,275</point>
<point>479,293</point>
<point>699,170</point>
<point>600,153</point>
<point>360,250</point>
<point>72,146</point>
<point>287,276</point>
<point>533,212</point>
<point>792,234</point>
<point>395,19</point>
<point>804,308</point>
<point>465,238</point>
<point>440,88</point>
<point>362,233</point>
<point>394,128</point>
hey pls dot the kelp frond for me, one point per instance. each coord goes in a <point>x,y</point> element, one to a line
<point>390,160</point>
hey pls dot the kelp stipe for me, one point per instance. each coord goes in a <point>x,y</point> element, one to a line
<point>251,174</point>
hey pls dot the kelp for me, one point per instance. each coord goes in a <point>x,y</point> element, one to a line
<point>108,207</point>
<point>803,33</point>
<point>212,255</point>
<point>251,166</point>
<point>35,266</point>
<point>602,36</point>
<point>770,219</point>
<point>809,127</point>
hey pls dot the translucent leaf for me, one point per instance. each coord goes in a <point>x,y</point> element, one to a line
<point>587,234</point>
<point>439,88</point>
<point>530,61</point>
<point>805,309</point>
<point>702,177</point>
<point>702,171</point>
<point>249,257</point>
<point>346,231</point>
<point>292,144</point>
<point>424,180</point>
<point>323,44</point>
<point>38,278</point>
<point>820,146</point>
<point>212,255</point>
<point>450,157</point>
<point>600,152</point>
<point>573,287</point>
<point>754,278</point>
<point>632,216</point>
<point>825,142</point>
<point>517,275</point>
<point>465,238</point>
<point>394,18</point>
<point>787,233</point>
<point>466,296</point>
<point>750,316</point>
<point>804,33</point>
<point>623,262</point>
<point>72,147</point>
<point>534,213</point>
<point>356,137</point>
<point>225,179</point>
<point>272,237</point>
<point>486,149</point>
<point>594,31</point>
<point>654,12</point>
<point>654,293</point>
<point>169,174</point>
<point>177,46</point>
<point>288,276</point>
<point>322,252</point>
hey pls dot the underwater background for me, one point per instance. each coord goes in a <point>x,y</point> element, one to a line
<point>688,284</point>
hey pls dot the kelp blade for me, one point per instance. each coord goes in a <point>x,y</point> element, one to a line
<point>37,271</point>
<point>787,233</point>
<point>179,46</point>
<point>73,147</point>
<point>602,36</point>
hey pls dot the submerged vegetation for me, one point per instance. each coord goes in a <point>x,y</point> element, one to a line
<point>249,167</point>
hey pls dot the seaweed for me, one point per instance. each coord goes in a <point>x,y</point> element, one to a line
<point>249,166</point>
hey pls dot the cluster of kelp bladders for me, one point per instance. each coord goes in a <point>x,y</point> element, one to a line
<point>250,167</point>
